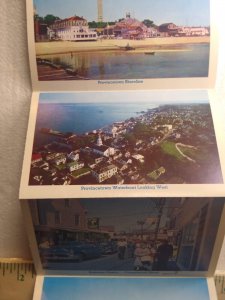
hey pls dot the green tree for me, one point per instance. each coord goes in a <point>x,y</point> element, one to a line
<point>130,138</point>
<point>148,23</point>
<point>38,18</point>
<point>50,19</point>
<point>142,130</point>
<point>93,24</point>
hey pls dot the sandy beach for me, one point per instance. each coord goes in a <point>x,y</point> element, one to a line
<point>152,44</point>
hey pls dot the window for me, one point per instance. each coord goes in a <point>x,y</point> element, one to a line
<point>190,232</point>
<point>76,220</point>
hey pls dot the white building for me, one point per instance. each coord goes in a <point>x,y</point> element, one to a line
<point>73,156</point>
<point>72,29</point>
<point>193,31</point>
<point>76,165</point>
<point>139,158</point>
<point>103,150</point>
<point>60,160</point>
<point>103,173</point>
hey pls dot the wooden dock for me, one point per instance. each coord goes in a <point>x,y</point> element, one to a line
<point>48,73</point>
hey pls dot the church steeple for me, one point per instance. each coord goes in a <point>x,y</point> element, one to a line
<point>99,141</point>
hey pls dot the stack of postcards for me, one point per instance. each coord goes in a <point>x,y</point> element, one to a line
<point>123,177</point>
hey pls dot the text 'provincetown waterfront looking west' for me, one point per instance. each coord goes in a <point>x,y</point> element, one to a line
<point>100,40</point>
<point>124,143</point>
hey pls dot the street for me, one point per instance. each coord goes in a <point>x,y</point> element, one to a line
<point>104,263</point>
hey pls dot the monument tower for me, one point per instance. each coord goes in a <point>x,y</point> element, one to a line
<point>100,11</point>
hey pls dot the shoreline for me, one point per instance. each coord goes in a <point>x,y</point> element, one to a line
<point>136,115</point>
<point>152,44</point>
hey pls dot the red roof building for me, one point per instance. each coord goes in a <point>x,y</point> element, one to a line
<point>72,29</point>
<point>36,157</point>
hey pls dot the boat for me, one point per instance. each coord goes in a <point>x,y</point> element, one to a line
<point>150,53</point>
<point>127,48</point>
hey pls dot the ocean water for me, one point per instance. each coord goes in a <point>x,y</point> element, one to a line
<point>81,118</point>
<point>124,65</point>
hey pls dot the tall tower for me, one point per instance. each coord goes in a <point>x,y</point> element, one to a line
<point>99,141</point>
<point>100,11</point>
<point>35,9</point>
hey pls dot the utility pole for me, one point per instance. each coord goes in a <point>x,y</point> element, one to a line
<point>159,203</point>
<point>141,223</point>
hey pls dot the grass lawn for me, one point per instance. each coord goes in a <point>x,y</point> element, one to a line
<point>192,153</point>
<point>170,148</point>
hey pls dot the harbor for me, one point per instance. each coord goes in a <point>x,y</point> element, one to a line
<point>119,61</point>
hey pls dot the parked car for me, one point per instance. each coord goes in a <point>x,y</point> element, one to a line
<point>82,250</point>
<point>108,248</point>
<point>55,253</point>
<point>72,251</point>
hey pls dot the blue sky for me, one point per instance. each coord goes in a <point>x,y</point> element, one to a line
<point>151,97</point>
<point>66,288</point>
<point>181,12</point>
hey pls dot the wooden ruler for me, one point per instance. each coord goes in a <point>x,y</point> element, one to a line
<point>220,286</point>
<point>17,279</point>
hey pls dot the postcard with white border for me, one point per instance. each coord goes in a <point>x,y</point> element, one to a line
<point>125,236</point>
<point>68,288</point>
<point>126,144</point>
<point>97,45</point>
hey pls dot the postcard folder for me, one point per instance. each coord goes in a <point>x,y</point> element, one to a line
<point>121,138</point>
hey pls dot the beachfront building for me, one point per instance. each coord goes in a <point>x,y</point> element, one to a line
<point>130,28</point>
<point>168,29</point>
<point>72,29</point>
<point>193,31</point>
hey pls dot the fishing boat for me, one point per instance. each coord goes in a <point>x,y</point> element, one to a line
<point>150,53</point>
